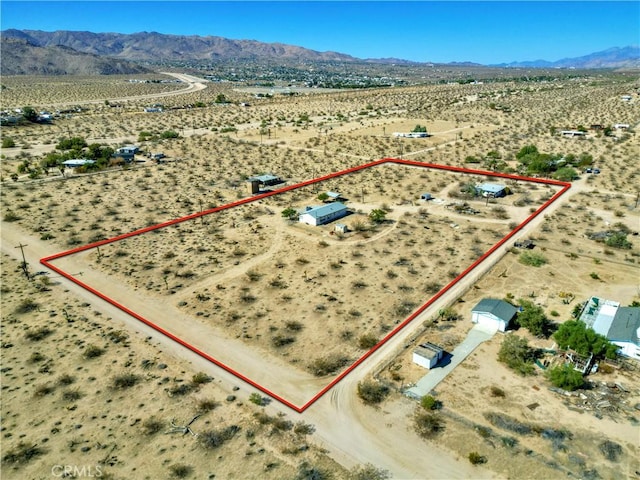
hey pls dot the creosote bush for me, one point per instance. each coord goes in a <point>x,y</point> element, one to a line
<point>427,424</point>
<point>327,365</point>
<point>372,392</point>
<point>125,380</point>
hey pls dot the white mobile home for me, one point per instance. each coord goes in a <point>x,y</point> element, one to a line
<point>326,213</point>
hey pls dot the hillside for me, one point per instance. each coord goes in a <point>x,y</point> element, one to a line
<point>152,46</point>
<point>625,57</point>
<point>19,57</point>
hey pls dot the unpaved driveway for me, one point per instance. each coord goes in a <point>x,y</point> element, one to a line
<point>353,434</point>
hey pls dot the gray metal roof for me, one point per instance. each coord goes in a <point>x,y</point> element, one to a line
<point>263,178</point>
<point>626,325</point>
<point>499,308</point>
<point>324,210</point>
<point>491,187</point>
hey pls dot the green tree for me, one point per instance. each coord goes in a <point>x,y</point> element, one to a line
<point>527,150</point>
<point>516,353</point>
<point>221,98</point>
<point>574,334</point>
<point>289,213</point>
<point>428,402</point>
<point>618,240</point>
<point>565,174</point>
<point>323,197</point>
<point>29,114</point>
<point>8,142</point>
<point>73,143</point>
<point>419,129</point>
<point>377,215</point>
<point>533,318</point>
<point>169,134</point>
<point>565,377</point>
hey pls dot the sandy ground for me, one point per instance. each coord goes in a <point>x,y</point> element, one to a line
<point>210,172</point>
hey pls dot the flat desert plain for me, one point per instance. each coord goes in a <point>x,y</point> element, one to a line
<point>291,305</point>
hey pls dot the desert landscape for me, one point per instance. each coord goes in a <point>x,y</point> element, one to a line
<point>289,305</point>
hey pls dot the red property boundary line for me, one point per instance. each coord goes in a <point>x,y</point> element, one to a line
<point>47,262</point>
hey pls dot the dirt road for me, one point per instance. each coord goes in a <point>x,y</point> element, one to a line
<point>352,433</point>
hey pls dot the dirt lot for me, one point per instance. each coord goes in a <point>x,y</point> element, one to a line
<point>253,279</point>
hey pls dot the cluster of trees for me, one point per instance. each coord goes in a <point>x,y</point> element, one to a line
<point>560,167</point>
<point>518,355</point>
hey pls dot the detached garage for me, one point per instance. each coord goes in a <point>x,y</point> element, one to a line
<point>493,314</point>
<point>427,355</point>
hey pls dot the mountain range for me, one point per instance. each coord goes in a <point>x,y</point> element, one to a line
<point>80,52</point>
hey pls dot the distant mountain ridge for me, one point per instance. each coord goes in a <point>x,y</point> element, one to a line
<point>153,46</point>
<point>19,57</point>
<point>616,57</point>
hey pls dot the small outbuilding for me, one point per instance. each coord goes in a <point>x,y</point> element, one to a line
<point>324,214</point>
<point>493,314</point>
<point>341,228</point>
<point>426,197</point>
<point>494,190</point>
<point>427,355</point>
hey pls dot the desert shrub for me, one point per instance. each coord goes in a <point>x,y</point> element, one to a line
<point>517,355</point>
<point>8,142</point>
<point>152,426</point>
<point>282,340</point>
<point>428,424</point>
<point>27,305</point>
<point>256,398</point>
<point>124,380</point>
<point>610,450</point>
<point>507,423</point>
<point>307,471</point>
<point>180,470</point>
<point>302,428</point>
<point>565,377</point>
<point>206,405</point>
<point>213,439</point>
<point>11,216</point>
<point>66,379</point>
<point>327,365</point>
<point>72,395</point>
<point>509,441</point>
<point>181,389</point>
<point>367,341</point>
<point>532,259</point>
<point>253,276</point>
<point>448,315</point>
<point>497,392</point>
<point>22,453</point>
<point>476,459</point>
<point>43,390</point>
<point>38,334</point>
<point>92,351</point>
<point>368,472</point>
<point>294,326</point>
<point>428,402</point>
<point>372,392</point>
<point>201,378</point>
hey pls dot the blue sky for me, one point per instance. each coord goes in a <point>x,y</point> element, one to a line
<point>482,32</point>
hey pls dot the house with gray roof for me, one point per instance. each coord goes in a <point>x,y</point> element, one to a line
<point>493,314</point>
<point>324,214</point>
<point>621,325</point>
<point>494,190</point>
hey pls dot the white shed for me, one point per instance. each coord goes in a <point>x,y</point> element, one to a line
<point>493,314</point>
<point>427,355</point>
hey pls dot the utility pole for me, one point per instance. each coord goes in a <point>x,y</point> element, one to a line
<point>25,269</point>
